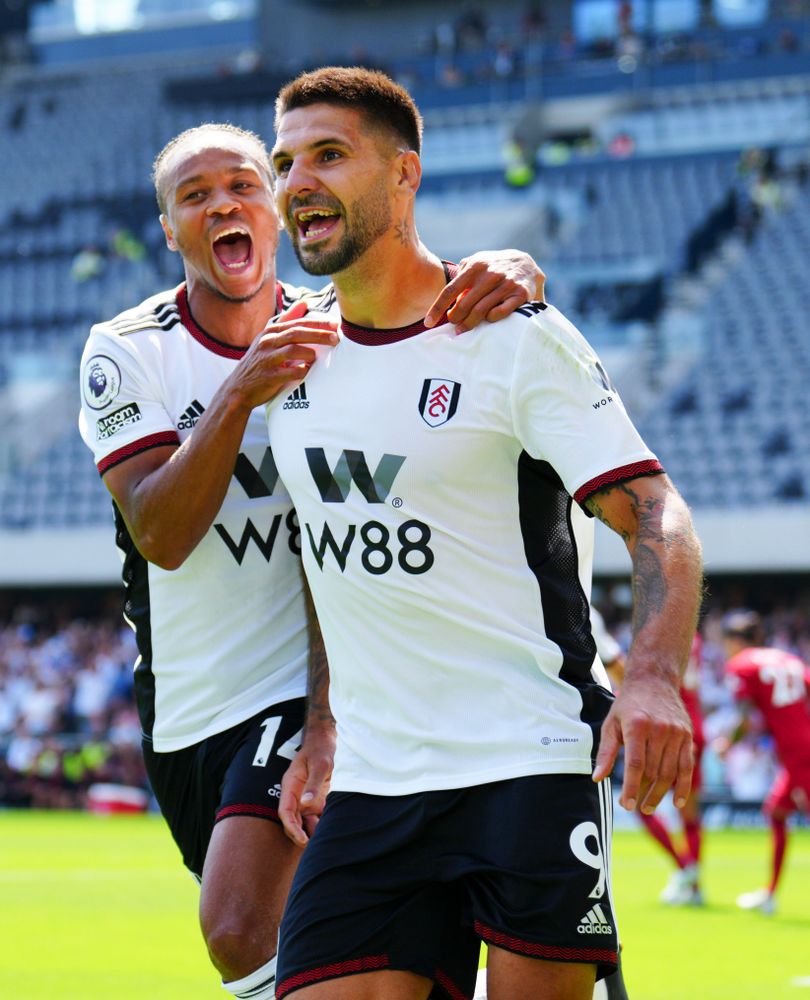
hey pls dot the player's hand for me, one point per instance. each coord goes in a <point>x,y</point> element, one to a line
<point>305,785</point>
<point>649,720</point>
<point>281,355</point>
<point>488,286</point>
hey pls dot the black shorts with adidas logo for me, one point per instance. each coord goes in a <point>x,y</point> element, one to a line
<point>415,882</point>
<point>234,773</point>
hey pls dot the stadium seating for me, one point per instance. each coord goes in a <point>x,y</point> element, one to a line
<point>613,233</point>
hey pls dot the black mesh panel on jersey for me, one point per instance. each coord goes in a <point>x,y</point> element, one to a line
<point>135,573</point>
<point>551,552</point>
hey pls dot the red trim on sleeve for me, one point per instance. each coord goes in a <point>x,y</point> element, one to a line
<point>535,950</point>
<point>252,809</point>
<point>333,971</point>
<point>649,467</point>
<point>135,448</point>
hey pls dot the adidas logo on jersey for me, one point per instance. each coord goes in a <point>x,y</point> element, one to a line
<point>297,400</point>
<point>190,416</point>
<point>595,922</point>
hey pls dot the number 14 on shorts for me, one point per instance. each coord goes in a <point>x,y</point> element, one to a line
<point>288,749</point>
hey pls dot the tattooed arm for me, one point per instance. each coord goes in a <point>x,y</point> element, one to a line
<point>648,716</point>
<point>306,781</point>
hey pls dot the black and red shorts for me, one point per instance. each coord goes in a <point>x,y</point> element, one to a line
<point>234,773</point>
<point>415,882</point>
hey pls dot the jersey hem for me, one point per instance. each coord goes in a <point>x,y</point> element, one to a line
<point>161,744</point>
<point>448,782</point>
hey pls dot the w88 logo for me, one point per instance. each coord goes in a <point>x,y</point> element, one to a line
<point>378,548</point>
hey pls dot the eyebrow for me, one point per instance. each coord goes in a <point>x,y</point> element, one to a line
<point>319,144</point>
<point>197,178</point>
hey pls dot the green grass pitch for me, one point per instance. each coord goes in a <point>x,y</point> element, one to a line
<point>100,907</point>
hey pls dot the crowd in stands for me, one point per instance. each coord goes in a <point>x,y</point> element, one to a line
<point>67,716</point>
<point>68,721</point>
<point>475,47</point>
<point>744,772</point>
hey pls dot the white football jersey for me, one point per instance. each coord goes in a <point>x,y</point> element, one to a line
<point>438,481</point>
<point>225,634</point>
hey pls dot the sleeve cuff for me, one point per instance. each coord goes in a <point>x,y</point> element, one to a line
<point>649,467</point>
<point>135,448</point>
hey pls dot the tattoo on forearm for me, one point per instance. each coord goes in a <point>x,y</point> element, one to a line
<point>403,232</point>
<point>593,505</point>
<point>649,580</point>
<point>318,683</point>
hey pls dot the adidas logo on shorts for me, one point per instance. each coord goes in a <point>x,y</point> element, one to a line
<point>595,922</point>
<point>190,416</point>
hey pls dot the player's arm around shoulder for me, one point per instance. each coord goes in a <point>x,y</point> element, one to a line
<point>648,716</point>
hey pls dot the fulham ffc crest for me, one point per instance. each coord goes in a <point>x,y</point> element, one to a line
<point>438,401</point>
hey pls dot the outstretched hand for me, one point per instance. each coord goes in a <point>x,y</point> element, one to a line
<point>488,286</point>
<point>305,785</point>
<point>648,718</point>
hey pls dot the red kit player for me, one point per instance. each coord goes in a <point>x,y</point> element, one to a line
<point>777,684</point>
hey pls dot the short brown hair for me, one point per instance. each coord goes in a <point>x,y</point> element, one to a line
<point>252,139</point>
<point>384,102</point>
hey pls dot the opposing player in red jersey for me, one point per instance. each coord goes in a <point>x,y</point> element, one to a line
<point>777,684</point>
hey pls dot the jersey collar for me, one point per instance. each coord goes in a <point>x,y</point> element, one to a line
<point>372,337</point>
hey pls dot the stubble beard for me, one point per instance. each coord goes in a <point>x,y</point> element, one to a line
<point>372,219</point>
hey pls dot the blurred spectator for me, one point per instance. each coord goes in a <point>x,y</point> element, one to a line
<point>127,246</point>
<point>67,718</point>
<point>88,263</point>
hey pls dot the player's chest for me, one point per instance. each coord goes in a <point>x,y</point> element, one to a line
<point>423,412</point>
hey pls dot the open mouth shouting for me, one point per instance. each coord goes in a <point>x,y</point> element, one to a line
<point>233,248</point>
<point>313,224</point>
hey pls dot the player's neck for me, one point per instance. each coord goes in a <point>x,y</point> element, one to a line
<point>237,323</point>
<point>389,288</point>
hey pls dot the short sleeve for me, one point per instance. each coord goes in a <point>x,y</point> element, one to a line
<point>121,410</point>
<point>739,684</point>
<point>566,411</point>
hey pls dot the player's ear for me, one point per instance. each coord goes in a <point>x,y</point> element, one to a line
<point>167,232</point>
<point>409,171</point>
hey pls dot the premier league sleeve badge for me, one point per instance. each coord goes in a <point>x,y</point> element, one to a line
<point>101,381</point>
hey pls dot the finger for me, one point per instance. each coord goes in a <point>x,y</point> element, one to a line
<point>497,305</point>
<point>659,770</point>
<point>507,306</point>
<point>469,298</point>
<point>609,744</point>
<point>294,312</point>
<point>293,829</point>
<point>290,816</point>
<point>683,780</point>
<point>540,286</point>
<point>474,279</point>
<point>634,764</point>
<point>300,332</point>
